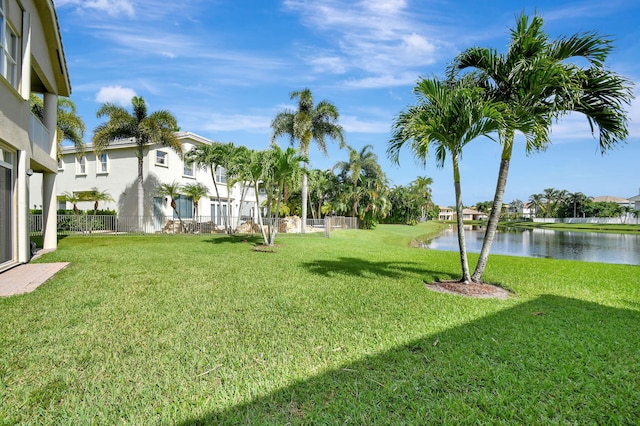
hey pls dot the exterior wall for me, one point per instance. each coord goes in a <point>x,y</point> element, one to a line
<point>40,68</point>
<point>120,180</point>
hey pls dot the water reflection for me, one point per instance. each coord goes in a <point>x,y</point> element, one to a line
<point>585,246</point>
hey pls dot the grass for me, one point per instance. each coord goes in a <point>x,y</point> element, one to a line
<point>204,330</point>
<point>617,228</point>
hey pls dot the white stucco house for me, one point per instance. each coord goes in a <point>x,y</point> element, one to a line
<point>634,202</point>
<point>31,61</point>
<point>115,172</point>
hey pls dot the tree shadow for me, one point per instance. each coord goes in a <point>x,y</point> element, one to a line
<point>549,360</point>
<point>236,238</point>
<point>361,268</point>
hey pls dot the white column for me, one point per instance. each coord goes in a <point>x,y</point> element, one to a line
<point>49,214</point>
<point>25,75</point>
<point>51,120</point>
<point>22,204</point>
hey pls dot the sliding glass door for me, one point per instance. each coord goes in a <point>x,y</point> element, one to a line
<point>6,207</point>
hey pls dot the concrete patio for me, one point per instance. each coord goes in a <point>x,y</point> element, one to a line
<point>27,277</point>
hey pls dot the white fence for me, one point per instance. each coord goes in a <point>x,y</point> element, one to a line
<point>623,220</point>
<point>116,224</point>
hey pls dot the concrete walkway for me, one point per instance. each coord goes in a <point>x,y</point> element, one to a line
<point>26,278</point>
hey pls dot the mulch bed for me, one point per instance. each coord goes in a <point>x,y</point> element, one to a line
<point>473,289</point>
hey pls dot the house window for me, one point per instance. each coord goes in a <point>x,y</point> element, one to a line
<point>8,49</point>
<point>221,175</point>
<point>81,165</point>
<point>189,170</point>
<point>6,207</point>
<point>60,164</point>
<point>184,206</point>
<point>161,159</point>
<point>103,163</point>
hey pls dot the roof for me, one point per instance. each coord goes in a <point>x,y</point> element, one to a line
<point>131,142</point>
<point>610,199</point>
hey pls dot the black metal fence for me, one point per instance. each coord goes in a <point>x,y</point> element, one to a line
<point>116,224</point>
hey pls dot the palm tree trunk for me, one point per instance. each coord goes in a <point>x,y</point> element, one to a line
<point>140,190</point>
<point>262,230</point>
<point>466,276</point>
<point>305,190</point>
<point>215,186</point>
<point>494,217</point>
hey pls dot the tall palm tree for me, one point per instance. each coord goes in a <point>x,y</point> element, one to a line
<point>208,156</point>
<point>309,122</point>
<point>421,189</point>
<point>280,166</point>
<point>70,126</point>
<point>449,115</point>
<point>362,166</point>
<point>156,128</point>
<point>536,201</point>
<point>195,191</point>
<point>171,190</point>
<point>537,81</point>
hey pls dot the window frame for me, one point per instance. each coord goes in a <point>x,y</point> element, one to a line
<point>192,167</point>
<point>102,167</point>
<point>221,174</point>
<point>81,166</point>
<point>165,158</point>
<point>9,49</point>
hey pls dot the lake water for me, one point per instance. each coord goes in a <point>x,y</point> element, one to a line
<point>584,246</point>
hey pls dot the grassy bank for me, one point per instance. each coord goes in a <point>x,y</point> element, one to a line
<point>196,330</point>
<point>580,227</point>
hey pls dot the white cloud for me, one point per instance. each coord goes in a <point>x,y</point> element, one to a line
<point>231,122</point>
<point>371,36</point>
<point>354,125</point>
<point>111,7</point>
<point>115,94</point>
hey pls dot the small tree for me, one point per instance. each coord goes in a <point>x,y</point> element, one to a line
<point>172,190</point>
<point>195,191</point>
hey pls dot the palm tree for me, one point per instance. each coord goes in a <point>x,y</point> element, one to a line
<point>449,115</point>
<point>195,191</point>
<point>171,190</point>
<point>155,128</point>
<point>208,156</point>
<point>421,188</point>
<point>280,166</point>
<point>95,195</point>
<point>70,126</point>
<point>362,166</point>
<point>536,201</point>
<point>538,83</point>
<point>308,123</point>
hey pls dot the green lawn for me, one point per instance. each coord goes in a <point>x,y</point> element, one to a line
<point>204,330</point>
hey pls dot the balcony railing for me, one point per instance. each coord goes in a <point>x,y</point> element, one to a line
<point>39,134</point>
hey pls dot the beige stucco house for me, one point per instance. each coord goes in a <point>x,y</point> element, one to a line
<point>31,61</point>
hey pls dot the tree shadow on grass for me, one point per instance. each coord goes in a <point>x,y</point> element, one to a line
<point>549,360</point>
<point>236,238</point>
<point>361,267</point>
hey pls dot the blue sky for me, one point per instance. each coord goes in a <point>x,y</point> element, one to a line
<point>225,68</point>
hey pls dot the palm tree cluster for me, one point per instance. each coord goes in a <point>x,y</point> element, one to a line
<point>526,89</point>
<point>561,203</point>
<point>412,203</point>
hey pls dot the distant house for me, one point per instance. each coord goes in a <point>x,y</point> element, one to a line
<point>115,171</point>
<point>622,202</point>
<point>525,210</point>
<point>446,213</point>
<point>471,214</point>
<point>31,61</point>
<point>634,201</point>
